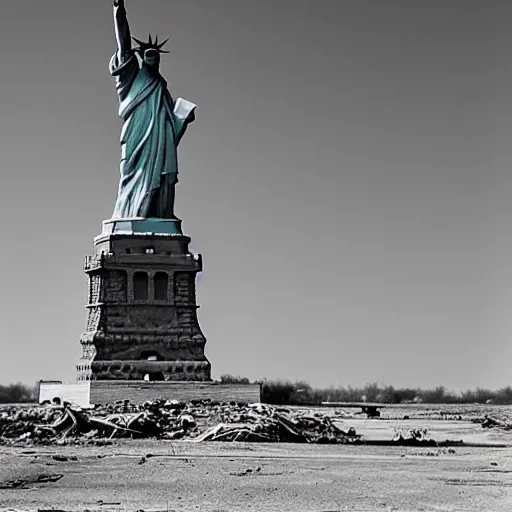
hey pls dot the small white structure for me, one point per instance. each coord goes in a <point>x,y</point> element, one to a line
<point>78,393</point>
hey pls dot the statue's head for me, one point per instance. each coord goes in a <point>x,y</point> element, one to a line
<point>152,57</point>
<point>150,51</point>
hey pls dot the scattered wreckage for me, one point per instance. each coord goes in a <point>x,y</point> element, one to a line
<point>198,420</point>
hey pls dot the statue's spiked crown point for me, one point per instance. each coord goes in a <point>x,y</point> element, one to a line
<point>150,45</point>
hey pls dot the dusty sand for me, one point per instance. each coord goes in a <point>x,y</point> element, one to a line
<point>228,477</point>
<point>284,478</point>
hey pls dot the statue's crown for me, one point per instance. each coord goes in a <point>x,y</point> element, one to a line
<point>150,45</point>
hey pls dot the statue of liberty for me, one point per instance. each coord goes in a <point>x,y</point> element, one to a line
<point>153,126</point>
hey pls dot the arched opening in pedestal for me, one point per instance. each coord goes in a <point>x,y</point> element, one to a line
<point>140,286</point>
<point>161,284</point>
<point>151,355</point>
<point>154,377</point>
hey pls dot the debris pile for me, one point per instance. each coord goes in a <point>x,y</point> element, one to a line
<point>198,420</point>
<point>266,424</point>
<point>490,422</point>
<point>413,437</point>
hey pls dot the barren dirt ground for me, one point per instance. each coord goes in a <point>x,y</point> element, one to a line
<point>217,477</point>
<point>224,477</point>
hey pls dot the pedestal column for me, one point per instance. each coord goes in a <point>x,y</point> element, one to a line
<point>142,311</point>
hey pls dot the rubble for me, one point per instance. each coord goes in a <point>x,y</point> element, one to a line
<point>490,422</point>
<point>197,420</point>
<point>413,437</point>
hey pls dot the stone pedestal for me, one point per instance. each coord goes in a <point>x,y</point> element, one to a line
<point>142,313</point>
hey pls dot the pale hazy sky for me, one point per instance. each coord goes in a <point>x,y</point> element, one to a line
<point>348,182</point>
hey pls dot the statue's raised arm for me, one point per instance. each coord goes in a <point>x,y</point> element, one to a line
<point>123,36</point>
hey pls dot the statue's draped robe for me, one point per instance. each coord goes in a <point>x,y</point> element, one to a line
<point>149,140</point>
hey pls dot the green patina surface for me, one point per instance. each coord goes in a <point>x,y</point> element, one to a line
<point>151,225</point>
<point>153,125</point>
